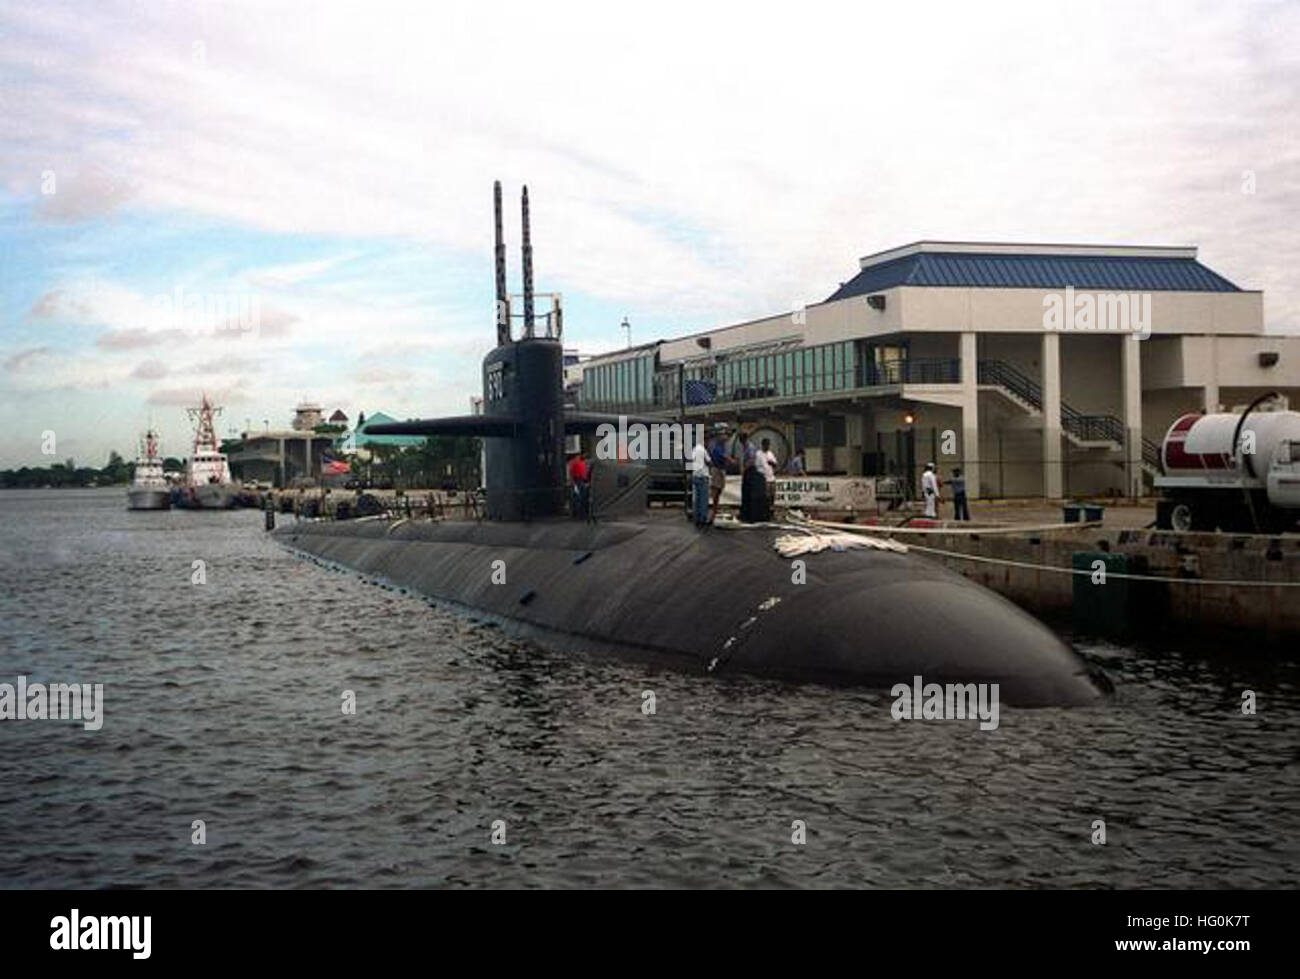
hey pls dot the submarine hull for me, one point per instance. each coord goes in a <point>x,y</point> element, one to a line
<point>659,591</point>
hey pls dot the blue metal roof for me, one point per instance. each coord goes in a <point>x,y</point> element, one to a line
<point>1007,271</point>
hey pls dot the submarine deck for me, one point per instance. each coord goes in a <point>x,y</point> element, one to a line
<point>715,600</point>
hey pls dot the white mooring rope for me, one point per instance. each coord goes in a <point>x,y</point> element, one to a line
<point>1029,565</point>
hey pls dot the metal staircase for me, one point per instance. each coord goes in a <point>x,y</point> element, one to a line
<point>1083,431</point>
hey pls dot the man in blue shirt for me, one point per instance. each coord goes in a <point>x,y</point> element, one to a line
<point>718,460</point>
<point>960,507</point>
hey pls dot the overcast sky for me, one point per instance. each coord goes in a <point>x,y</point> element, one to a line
<point>329,165</point>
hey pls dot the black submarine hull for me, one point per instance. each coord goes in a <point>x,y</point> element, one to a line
<point>722,601</point>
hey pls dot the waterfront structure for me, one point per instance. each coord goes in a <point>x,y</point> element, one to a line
<point>362,442</point>
<point>307,417</point>
<point>280,456</point>
<point>1039,370</point>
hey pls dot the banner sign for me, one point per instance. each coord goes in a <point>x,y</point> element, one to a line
<point>815,492</point>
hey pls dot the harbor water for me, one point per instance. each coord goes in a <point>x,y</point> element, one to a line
<point>226,661</point>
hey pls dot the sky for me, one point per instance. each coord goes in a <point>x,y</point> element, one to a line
<point>272,202</point>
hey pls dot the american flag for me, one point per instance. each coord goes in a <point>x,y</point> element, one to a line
<point>699,392</point>
<point>329,466</point>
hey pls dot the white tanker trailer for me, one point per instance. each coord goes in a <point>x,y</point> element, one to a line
<point>1236,471</point>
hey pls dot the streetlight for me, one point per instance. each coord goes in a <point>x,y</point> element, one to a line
<point>627,326</point>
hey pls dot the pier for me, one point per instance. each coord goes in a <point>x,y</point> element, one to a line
<point>1125,580</point>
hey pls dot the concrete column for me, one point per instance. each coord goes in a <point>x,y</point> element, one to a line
<point>1131,356</point>
<point>970,416</point>
<point>1211,398</point>
<point>867,428</point>
<point>1211,375</point>
<point>1051,381</point>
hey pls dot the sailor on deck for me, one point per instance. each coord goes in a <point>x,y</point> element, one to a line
<point>700,483</point>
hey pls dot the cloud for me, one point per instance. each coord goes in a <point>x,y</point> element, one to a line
<point>80,196</point>
<point>383,375</point>
<point>756,166</point>
<point>46,306</point>
<point>734,188</point>
<point>26,358</point>
<point>150,370</point>
<point>281,276</point>
<point>134,339</point>
<point>219,365</point>
<point>190,397</point>
<point>275,323</point>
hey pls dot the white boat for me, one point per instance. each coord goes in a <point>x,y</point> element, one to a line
<point>149,489</point>
<point>208,485</point>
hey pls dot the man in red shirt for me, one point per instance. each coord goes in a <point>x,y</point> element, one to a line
<point>578,476</point>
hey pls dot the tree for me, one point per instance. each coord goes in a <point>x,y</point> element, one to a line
<point>117,471</point>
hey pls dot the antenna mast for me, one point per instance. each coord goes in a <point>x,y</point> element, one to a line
<point>503,300</point>
<point>528,272</point>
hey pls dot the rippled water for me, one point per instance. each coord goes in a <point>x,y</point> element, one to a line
<point>222,703</point>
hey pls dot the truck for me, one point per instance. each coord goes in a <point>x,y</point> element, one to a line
<point>1236,471</point>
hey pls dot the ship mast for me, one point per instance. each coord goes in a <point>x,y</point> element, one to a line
<point>205,435</point>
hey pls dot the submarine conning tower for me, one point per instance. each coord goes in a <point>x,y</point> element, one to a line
<point>524,379</point>
<point>523,421</point>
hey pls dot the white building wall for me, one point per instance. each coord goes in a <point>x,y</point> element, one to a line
<point>1204,346</point>
<point>1091,380</point>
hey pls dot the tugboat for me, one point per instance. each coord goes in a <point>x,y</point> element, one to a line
<point>149,489</point>
<point>208,485</point>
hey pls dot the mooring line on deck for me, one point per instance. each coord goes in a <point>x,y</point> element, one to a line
<point>1109,574</point>
<point>1014,529</point>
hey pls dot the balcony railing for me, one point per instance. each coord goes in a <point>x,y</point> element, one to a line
<point>913,370</point>
<point>811,371</point>
<point>836,368</point>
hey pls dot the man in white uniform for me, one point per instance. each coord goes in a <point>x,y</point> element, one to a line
<point>766,463</point>
<point>930,490</point>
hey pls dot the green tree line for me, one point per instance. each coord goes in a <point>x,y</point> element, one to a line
<point>442,462</point>
<point>68,474</point>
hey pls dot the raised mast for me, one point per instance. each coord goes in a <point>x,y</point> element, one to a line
<point>503,299</point>
<point>205,435</point>
<point>528,271</point>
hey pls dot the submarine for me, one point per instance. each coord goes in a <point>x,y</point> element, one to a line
<point>650,587</point>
